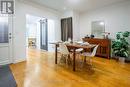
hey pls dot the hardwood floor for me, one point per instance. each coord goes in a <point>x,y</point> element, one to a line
<point>40,71</point>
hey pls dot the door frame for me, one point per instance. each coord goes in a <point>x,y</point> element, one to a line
<point>11,37</point>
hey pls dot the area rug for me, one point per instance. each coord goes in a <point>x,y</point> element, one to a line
<point>6,77</point>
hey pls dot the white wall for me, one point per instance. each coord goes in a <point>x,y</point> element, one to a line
<point>22,9</point>
<point>67,14</point>
<point>116,17</point>
<point>76,26</point>
<point>31,30</point>
<point>38,38</point>
<point>51,35</point>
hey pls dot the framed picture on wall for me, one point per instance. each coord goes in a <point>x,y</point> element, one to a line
<point>98,27</point>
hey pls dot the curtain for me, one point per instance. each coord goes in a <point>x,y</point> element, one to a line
<point>66,29</point>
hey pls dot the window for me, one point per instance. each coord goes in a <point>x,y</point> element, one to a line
<point>3,29</point>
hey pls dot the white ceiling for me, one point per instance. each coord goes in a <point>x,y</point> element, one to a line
<point>78,5</point>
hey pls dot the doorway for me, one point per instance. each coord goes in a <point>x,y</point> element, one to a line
<point>40,32</point>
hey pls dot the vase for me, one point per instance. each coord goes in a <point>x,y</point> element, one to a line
<point>122,59</point>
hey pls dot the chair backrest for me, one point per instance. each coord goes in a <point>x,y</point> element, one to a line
<point>94,51</point>
<point>63,49</point>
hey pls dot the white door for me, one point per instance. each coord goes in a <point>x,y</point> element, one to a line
<point>5,40</point>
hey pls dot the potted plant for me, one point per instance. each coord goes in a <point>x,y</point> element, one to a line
<point>120,46</point>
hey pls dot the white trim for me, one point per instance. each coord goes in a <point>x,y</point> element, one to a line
<point>11,57</point>
<point>19,60</point>
<point>5,62</point>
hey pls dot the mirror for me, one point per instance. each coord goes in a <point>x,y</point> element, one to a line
<point>98,27</point>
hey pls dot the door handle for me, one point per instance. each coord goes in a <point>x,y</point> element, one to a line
<point>10,35</point>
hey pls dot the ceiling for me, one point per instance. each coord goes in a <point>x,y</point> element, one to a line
<point>78,5</point>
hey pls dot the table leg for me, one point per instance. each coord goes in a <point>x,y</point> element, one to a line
<point>56,54</point>
<point>74,54</point>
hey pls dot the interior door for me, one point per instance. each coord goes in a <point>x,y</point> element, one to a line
<point>44,34</point>
<point>5,41</point>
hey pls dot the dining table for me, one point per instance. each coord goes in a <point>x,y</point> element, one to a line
<point>73,47</point>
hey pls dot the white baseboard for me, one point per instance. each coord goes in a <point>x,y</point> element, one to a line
<point>19,60</point>
<point>5,62</point>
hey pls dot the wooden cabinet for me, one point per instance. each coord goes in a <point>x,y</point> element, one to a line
<point>104,49</point>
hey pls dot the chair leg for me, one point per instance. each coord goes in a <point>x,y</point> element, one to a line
<point>80,62</point>
<point>91,62</point>
<point>63,59</point>
<point>87,63</point>
<point>69,62</point>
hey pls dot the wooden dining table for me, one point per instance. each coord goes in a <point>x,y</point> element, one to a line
<point>73,47</point>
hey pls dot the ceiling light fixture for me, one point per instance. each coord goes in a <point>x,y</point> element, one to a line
<point>102,23</point>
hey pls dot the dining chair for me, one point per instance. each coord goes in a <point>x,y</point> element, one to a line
<point>65,54</point>
<point>88,56</point>
<point>79,50</point>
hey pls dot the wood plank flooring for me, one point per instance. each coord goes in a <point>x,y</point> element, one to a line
<point>40,71</point>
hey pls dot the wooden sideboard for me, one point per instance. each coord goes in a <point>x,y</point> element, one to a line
<point>104,49</point>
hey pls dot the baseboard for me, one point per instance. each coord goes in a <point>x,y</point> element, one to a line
<point>19,60</point>
<point>127,60</point>
<point>5,62</point>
